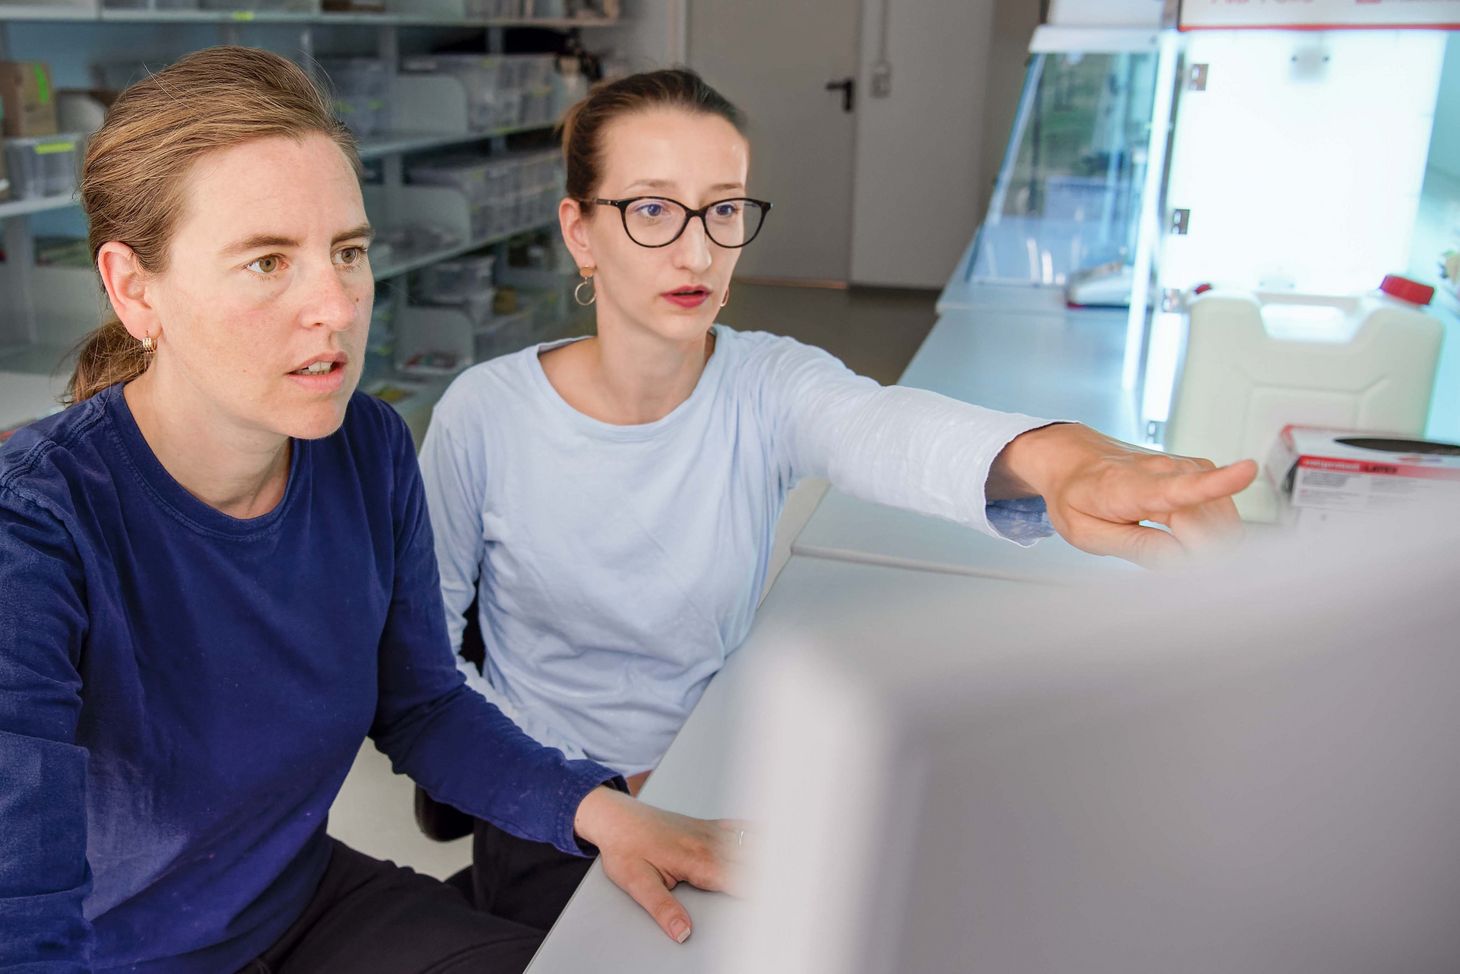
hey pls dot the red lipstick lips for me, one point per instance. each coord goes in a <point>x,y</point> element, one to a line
<point>690,296</point>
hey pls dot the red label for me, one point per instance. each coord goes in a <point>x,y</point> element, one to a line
<point>1378,469</point>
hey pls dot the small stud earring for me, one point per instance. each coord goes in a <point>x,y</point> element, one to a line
<point>148,345</point>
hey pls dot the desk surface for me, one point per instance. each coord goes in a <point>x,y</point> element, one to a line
<point>695,777</point>
<point>1063,365</point>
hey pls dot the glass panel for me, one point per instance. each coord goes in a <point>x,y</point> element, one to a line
<point>1435,250</point>
<point>1301,166</point>
<point>1067,198</point>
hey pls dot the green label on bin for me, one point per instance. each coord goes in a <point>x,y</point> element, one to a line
<point>42,84</point>
<point>50,148</point>
<point>244,15</point>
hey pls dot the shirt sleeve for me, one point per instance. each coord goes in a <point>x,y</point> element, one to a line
<point>43,870</point>
<point>454,471</point>
<point>454,475</point>
<point>451,740</point>
<point>893,445</point>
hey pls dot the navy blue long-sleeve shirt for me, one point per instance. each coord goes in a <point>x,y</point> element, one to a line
<point>183,692</point>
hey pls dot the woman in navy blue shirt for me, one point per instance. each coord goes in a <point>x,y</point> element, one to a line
<point>219,578</point>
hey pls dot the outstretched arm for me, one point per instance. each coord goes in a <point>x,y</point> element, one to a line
<point>1098,490</point>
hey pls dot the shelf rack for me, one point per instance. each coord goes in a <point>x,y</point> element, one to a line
<point>35,336</point>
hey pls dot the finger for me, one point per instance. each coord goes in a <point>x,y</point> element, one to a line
<point>1147,547</point>
<point>1214,526</point>
<point>647,888</point>
<point>1200,487</point>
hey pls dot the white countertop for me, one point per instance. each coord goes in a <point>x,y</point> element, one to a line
<point>602,928</point>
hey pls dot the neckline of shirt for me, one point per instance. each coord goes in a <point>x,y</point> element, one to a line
<point>174,498</point>
<point>708,380</point>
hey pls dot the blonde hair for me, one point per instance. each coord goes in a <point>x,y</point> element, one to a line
<point>133,181</point>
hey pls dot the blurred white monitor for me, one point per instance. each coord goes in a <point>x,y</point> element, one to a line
<point>1248,769</point>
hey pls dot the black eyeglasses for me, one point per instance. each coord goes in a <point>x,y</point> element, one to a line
<point>657,221</point>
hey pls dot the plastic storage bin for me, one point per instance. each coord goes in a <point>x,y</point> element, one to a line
<point>487,9</point>
<point>452,281</point>
<point>44,165</point>
<point>504,334</point>
<point>150,4</point>
<point>502,91</point>
<point>362,93</point>
<point>255,5</point>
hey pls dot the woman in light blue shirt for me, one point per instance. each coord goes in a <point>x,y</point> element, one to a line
<point>610,502</point>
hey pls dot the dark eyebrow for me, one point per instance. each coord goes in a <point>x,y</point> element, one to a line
<point>260,241</point>
<point>363,230</point>
<point>669,184</point>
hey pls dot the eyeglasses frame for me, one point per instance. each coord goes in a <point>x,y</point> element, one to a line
<point>622,205</point>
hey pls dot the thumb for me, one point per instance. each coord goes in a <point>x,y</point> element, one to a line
<point>1147,547</point>
<point>646,885</point>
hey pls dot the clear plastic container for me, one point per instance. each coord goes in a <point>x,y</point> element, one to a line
<point>254,5</point>
<point>150,4</point>
<point>44,165</point>
<point>502,91</point>
<point>500,178</point>
<point>453,281</point>
<point>504,334</point>
<point>509,109</point>
<point>466,175</point>
<point>362,93</point>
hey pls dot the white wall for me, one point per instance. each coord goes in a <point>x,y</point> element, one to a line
<point>653,36</point>
<point>919,168</point>
<point>1111,13</point>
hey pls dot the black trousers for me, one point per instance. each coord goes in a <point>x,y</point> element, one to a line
<point>526,882</point>
<point>374,917</point>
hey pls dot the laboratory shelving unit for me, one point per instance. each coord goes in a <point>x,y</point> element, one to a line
<point>45,310</point>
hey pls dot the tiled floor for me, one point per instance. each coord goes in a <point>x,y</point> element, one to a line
<point>874,331</point>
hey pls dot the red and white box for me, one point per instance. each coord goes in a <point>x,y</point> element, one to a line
<point>1324,474</point>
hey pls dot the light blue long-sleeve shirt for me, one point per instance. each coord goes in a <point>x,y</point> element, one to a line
<point>618,566</point>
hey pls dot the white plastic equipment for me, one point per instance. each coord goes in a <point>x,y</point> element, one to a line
<point>1256,363</point>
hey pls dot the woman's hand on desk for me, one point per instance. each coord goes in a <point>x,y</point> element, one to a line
<point>647,851</point>
<point>1098,490</point>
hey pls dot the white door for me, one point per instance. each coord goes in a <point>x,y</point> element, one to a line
<point>774,59</point>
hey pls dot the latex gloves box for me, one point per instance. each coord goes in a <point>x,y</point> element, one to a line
<point>1325,475</point>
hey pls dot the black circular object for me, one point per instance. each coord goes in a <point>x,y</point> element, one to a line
<point>1388,444</point>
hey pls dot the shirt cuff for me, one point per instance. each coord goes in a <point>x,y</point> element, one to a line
<point>1023,520</point>
<point>582,777</point>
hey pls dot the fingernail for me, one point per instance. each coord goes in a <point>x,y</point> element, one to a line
<point>679,930</point>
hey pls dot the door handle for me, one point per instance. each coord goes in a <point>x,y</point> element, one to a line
<point>847,87</point>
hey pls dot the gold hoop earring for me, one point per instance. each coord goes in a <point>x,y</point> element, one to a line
<point>726,299</point>
<point>578,291</point>
<point>148,345</point>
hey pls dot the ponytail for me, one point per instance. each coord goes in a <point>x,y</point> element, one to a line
<point>107,356</point>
